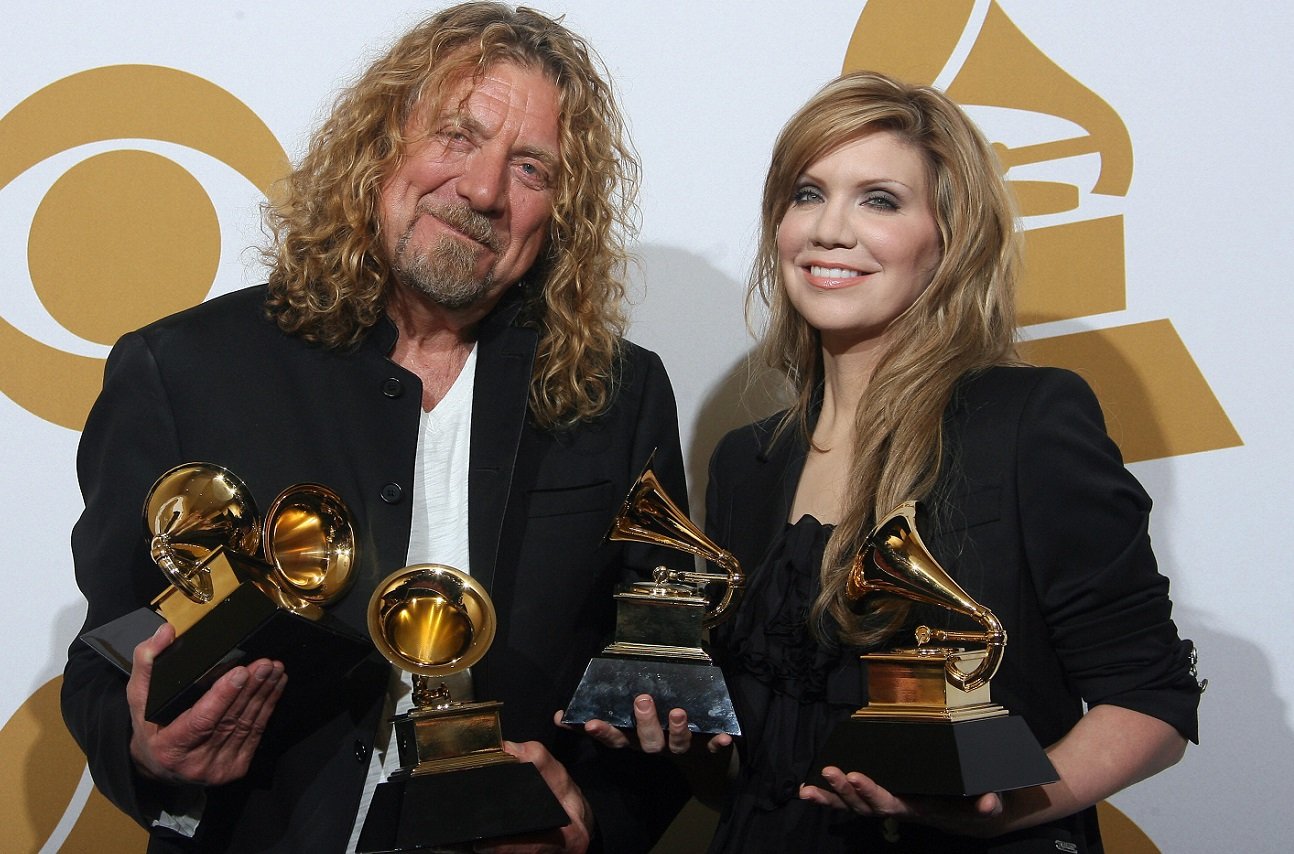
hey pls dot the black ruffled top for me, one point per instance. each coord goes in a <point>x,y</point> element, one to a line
<point>789,691</point>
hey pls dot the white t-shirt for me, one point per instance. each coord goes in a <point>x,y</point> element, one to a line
<point>437,534</point>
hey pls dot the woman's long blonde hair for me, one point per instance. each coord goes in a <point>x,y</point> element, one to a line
<point>329,271</point>
<point>964,321</point>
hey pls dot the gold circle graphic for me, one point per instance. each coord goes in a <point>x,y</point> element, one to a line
<point>121,239</point>
<point>154,244</point>
<point>40,773</point>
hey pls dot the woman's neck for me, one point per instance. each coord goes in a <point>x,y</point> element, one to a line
<point>824,481</point>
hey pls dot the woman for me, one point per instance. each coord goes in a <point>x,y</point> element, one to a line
<point>887,261</point>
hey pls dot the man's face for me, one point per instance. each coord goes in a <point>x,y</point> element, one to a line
<point>466,214</point>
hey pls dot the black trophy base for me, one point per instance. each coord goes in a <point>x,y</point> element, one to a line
<point>937,757</point>
<point>116,639</point>
<point>442,810</point>
<point>610,683</point>
<point>242,628</point>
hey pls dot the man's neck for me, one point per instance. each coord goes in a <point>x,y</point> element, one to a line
<point>434,342</point>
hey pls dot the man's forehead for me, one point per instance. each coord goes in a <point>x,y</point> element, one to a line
<point>501,87</point>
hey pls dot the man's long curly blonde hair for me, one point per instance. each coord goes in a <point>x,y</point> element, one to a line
<point>329,271</point>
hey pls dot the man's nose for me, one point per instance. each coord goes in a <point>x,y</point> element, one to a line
<point>484,182</point>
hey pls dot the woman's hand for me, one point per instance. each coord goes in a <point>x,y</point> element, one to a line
<point>971,816</point>
<point>707,770</point>
<point>1108,749</point>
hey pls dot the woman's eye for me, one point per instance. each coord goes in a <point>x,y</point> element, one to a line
<point>806,195</point>
<point>881,201</point>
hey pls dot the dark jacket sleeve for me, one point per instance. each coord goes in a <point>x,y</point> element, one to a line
<point>1086,520</point>
<point>129,440</point>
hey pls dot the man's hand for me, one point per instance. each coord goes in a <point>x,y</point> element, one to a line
<point>214,741</point>
<point>650,736</point>
<point>708,764</point>
<point>571,839</point>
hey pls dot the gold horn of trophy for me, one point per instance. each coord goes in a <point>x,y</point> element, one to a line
<point>929,726</point>
<point>240,587</point>
<point>659,625</point>
<point>455,783</point>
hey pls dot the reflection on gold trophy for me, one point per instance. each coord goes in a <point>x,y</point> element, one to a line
<point>240,588</point>
<point>930,726</point>
<point>659,625</point>
<point>205,532</point>
<point>455,783</point>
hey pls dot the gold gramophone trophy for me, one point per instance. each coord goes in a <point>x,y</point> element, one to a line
<point>239,588</point>
<point>455,783</point>
<point>659,623</point>
<point>929,726</point>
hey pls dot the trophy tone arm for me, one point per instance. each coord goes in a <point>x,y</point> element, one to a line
<point>733,579</point>
<point>993,637</point>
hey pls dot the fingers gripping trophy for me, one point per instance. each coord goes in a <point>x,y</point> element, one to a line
<point>240,586</point>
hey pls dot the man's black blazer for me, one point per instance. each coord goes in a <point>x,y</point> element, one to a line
<point>221,383</point>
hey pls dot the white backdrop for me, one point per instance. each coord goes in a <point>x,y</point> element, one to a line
<point>1203,89</point>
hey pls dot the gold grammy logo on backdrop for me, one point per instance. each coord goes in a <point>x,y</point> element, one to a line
<point>125,236</point>
<point>1156,401</point>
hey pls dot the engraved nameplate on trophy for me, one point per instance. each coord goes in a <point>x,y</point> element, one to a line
<point>930,726</point>
<point>455,783</point>
<point>659,625</point>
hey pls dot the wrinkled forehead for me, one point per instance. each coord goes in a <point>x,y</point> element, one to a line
<point>457,86</point>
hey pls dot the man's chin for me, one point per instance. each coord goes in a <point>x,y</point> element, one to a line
<point>450,276</point>
<point>454,296</point>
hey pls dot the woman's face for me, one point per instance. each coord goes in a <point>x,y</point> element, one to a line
<point>859,242</point>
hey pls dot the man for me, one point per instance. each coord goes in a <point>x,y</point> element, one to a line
<point>439,344</point>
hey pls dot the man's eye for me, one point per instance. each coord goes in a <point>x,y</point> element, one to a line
<point>532,174</point>
<point>453,137</point>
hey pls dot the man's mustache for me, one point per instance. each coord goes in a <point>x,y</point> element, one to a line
<point>463,218</point>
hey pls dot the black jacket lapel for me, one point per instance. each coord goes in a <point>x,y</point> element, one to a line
<point>505,355</point>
